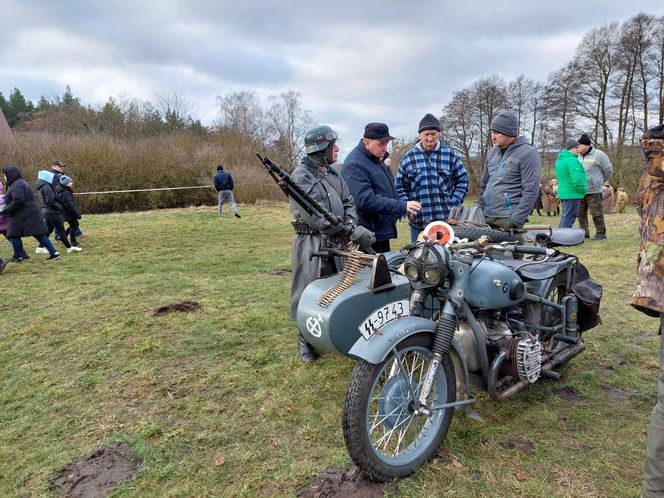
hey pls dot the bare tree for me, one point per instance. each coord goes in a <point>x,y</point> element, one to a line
<point>176,109</point>
<point>490,94</point>
<point>287,123</point>
<point>458,126</point>
<point>595,56</point>
<point>242,112</point>
<point>657,62</point>
<point>560,100</point>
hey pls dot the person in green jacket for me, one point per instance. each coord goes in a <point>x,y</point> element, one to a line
<point>571,182</point>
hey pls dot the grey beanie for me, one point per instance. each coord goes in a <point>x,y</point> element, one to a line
<point>570,143</point>
<point>506,122</point>
<point>429,122</point>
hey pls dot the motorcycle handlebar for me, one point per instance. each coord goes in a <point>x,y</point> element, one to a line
<point>529,250</point>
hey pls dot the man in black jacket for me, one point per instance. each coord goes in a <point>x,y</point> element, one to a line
<point>371,183</point>
<point>223,183</point>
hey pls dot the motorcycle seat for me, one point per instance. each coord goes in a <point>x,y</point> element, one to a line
<point>556,236</point>
<point>532,271</point>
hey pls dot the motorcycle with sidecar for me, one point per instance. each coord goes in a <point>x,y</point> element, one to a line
<point>460,317</point>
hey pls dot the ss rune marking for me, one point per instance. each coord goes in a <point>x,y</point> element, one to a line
<point>313,325</point>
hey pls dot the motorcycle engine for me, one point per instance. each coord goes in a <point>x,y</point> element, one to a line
<point>524,358</point>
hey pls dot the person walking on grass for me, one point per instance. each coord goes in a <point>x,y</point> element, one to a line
<point>571,182</point>
<point>51,207</point>
<point>223,183</point>
<point>70,210</point>
<point>25,220</point>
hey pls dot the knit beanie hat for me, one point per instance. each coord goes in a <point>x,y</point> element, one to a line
<point>570,143</point>
<point>65,180</point>
<point>429,122</point>
<point>585,139</point>
<point>506,122</point>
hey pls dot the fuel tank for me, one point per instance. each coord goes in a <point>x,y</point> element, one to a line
<point>492,285</point>
<point>355,312</point>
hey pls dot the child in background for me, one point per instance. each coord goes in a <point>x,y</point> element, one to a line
<point>70,210</point>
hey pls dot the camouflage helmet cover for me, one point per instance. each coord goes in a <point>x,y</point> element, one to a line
<point>318,139</point>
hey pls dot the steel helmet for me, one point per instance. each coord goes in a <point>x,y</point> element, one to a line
<point>317,139</point>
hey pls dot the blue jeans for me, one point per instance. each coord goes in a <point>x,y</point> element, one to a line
<point>414,233</point>
<point>17,245</point>
<point>570,209</point>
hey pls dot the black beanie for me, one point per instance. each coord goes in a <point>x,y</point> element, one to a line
<point>585,139</point>
<point>429,122</point>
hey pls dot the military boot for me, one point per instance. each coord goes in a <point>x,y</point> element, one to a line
<point>306,350</point>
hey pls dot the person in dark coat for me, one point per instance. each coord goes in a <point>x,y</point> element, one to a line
<point>70,211</point>
<point>371,183</point>
<point>25,220</point>
<point>51,207</point>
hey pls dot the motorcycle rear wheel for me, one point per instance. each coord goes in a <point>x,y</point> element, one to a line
<point>385,439</point>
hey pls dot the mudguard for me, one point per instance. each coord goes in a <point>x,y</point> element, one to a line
<point>335,328</point>
<point>377,347</point>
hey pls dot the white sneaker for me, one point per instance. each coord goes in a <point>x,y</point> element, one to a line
<point>41,250</point>
<point>74,249</point>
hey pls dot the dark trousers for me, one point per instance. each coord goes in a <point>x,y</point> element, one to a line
<point>71,231</point>
<point>381,246</point>
<point>592,202</point>
<point>56,222</point>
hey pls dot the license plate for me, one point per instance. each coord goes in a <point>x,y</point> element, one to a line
<point>381,316</point>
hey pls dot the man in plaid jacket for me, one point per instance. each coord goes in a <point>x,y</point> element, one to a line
<point>432,174</point>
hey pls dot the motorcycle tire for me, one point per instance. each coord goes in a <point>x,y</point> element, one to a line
<point>383,436</point>
<point>496,236</point>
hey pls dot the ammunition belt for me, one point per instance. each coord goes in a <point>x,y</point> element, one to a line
<point>302,228</point>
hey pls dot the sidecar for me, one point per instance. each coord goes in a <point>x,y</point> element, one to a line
<point>360,310</point>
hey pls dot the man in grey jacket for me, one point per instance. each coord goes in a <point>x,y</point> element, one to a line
<point>509,185</point>
<point>598,170</point>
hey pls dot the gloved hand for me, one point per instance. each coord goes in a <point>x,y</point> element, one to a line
<point>363,237</point>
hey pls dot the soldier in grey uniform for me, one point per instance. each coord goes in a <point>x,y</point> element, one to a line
<point>322,182</point>
<point>649,293</point>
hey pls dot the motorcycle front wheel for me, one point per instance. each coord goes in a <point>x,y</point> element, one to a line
<point>384,437</point>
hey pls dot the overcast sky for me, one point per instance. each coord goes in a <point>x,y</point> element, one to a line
<point>352,61</point>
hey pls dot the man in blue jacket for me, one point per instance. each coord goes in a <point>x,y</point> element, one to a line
<point>223,183</point>
<point>371,183</point>
<point>510,182</point>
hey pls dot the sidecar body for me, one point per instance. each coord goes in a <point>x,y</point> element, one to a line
<point>356,312</point>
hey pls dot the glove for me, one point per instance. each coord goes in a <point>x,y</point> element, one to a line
<point>363,237</point>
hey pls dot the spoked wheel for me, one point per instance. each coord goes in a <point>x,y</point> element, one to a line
<point>383,435</point>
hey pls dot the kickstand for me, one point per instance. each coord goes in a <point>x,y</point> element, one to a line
<point>470,413</point>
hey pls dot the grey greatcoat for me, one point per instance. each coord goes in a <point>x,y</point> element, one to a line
<point>330,190</point>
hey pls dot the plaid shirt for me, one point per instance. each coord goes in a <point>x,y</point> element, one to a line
<point>437,179</point>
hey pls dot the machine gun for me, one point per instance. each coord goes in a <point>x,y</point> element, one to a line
<point>295,192</point>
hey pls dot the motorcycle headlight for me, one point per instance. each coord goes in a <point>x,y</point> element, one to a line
<point>432,276</point>
<point>411,272</point>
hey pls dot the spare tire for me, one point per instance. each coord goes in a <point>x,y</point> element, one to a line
<point>496,236</point>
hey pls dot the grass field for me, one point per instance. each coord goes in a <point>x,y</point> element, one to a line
<point>215,402</point>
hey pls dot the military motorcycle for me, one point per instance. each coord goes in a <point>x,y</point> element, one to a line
<point>463,317</point>
<point>465,309</point>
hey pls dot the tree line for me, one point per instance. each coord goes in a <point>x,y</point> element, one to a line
<point>612,89</point>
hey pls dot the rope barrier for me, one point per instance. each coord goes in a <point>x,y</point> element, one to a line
<point>151,189</point>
